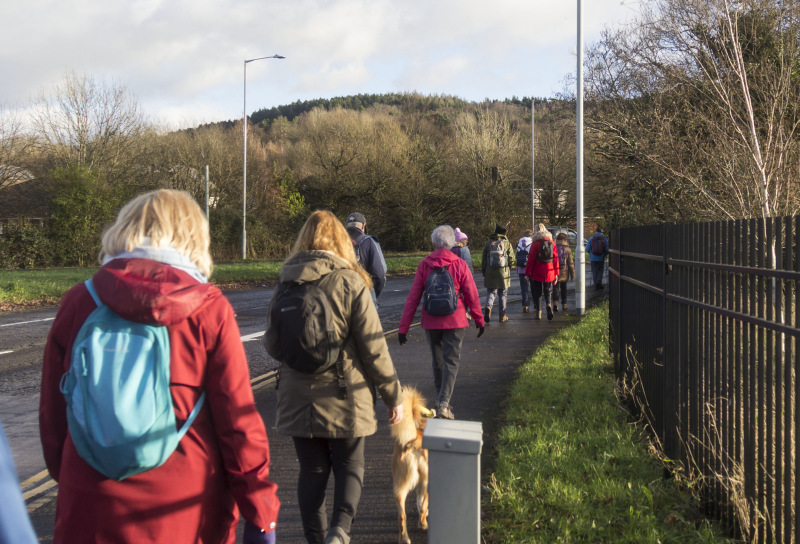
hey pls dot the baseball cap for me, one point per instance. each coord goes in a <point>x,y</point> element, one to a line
<point>356,217</point>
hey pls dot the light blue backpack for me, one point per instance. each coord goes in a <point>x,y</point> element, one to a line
<point>119,405</point>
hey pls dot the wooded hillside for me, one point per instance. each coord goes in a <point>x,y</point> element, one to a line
<point>691,114</point>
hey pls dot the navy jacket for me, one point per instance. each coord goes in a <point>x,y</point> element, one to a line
<point>371,257</point>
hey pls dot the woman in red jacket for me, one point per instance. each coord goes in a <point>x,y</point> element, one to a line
<point>541,271</point>
<point>155,267</point>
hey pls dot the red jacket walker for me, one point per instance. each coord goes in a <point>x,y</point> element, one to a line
<point>221,465</point>
<point>539,271</point>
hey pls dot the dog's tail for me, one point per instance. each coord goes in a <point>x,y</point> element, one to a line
<point>415,413</point>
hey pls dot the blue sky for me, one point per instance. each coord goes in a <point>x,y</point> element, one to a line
<point>183,59</point>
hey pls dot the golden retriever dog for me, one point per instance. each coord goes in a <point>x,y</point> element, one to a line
<point>409,460</point>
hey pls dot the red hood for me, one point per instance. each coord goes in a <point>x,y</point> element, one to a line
<point>441,257</point>
<point>150,292</point>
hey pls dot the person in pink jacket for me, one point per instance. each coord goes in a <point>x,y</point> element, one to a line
<point>445,333</point>
<point>542,272</point>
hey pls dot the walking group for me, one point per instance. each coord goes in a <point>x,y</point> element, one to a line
<point>147,419</point>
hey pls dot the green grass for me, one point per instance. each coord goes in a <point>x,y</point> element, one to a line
<point>23,287</point>
<point>571,467</point>
<point>39,286</point>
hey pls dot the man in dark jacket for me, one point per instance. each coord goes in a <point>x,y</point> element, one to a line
<point>368,251</point>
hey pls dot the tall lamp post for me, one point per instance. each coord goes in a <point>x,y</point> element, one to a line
<point>580,252</point>
<point>533,162</point>
<point>244,155</point>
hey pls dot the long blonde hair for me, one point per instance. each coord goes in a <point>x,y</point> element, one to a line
<point>542,232</point>
<point>322,231</point>
<point>170,219</point>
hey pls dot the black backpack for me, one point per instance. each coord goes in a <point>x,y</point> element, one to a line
<point>522,255</point>
<point>302,317</point>
<point>440,297</point>
<point>545,252</point>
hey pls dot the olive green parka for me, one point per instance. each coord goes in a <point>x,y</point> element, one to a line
<point>498,278</point>
<point>310,405</point>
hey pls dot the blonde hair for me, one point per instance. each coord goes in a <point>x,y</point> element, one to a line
<point>170,219</point>
<point>541,232</point>
<point>322,231</point>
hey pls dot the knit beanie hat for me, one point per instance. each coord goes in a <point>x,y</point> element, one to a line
<point>460,235</point>
<point>499,229</point>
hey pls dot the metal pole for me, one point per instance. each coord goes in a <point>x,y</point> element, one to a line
<point>244,168</point>
<point>580,250</point>
<point>244,155</point>
<point>533,156</point>
<point>206,191</point>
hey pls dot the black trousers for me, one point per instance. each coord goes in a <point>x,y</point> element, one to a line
<point>318,457</point>
<point>561,287</point>
<point>539,288</point>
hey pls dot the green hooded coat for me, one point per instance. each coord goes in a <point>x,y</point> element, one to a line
<point>498,278</point>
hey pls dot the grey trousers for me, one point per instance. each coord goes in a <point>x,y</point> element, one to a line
<point>446,354</point>
<point>502,294</point>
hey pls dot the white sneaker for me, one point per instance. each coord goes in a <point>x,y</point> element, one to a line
<point>336,535</point>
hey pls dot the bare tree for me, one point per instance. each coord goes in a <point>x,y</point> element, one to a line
<point>180,158</point>
<point>491,156</point>
<point>555,169</point>
<point>90,123</point>
<point>706,92</point>
<point>15,148</point>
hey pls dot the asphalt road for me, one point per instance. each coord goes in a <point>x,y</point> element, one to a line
<point>487,368</point>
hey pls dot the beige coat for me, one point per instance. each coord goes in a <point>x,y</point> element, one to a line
<point>309,405</point>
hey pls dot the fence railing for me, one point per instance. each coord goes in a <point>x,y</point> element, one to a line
<point>704,328</point>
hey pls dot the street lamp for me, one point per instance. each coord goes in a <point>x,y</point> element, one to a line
<point>244,155</point>
<point>580,267</point>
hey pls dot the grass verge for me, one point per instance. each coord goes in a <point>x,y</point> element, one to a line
<point>22,288</point>
<point>571,467</point>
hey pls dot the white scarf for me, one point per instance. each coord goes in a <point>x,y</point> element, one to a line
<point>165,255</point>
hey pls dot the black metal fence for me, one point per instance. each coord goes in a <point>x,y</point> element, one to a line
<point>704,327</point>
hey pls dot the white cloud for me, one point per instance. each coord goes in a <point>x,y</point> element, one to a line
<point>180,56</point>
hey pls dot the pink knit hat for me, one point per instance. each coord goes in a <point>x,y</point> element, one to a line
<point>460,235</point>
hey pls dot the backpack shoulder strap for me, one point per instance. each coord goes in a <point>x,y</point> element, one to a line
<point>192,416</point>
<point>90,286</point>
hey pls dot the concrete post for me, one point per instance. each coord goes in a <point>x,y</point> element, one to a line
<point>454,490</point>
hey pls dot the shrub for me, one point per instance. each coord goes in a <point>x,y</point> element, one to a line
<point>25,245</point>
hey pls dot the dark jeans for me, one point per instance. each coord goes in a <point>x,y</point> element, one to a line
<point>318,456</point>
<point>446,353</point>
<point>525,289</point>
<point>597,272</point>
<point>562,288</point>
<point>539,288</point>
